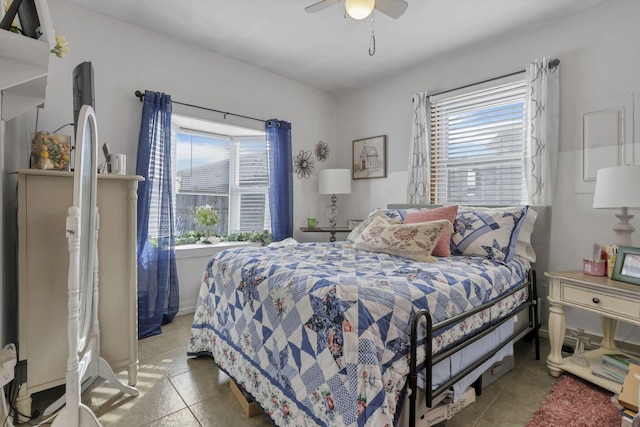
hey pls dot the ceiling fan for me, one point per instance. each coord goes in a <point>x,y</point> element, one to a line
<point>360,9</point>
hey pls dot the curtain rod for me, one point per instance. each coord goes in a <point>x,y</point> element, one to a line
<point>140,95</point>
<point>552,64</point>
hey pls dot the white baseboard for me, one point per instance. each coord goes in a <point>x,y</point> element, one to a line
<point>186,310</point>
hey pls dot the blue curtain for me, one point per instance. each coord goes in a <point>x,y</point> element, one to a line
<point>280,178</point>
<point>158,296</point>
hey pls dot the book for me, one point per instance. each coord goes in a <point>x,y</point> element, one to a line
<point>629,394</point>
<point>619,360</point>
<point>614,371</point>
<point>599,371</point>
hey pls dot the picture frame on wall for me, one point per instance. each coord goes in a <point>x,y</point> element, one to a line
<point>627,267</point>
<point>370,157</point>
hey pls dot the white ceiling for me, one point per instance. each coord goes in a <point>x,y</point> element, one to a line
<point>324,49</point>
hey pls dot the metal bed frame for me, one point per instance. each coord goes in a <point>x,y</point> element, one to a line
<point>431,359</point>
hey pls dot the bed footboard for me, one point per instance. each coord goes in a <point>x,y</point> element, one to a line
<point>430,360</point>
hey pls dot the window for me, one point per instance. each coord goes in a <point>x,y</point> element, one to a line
<point>477,143</point>
<point>227,171</point>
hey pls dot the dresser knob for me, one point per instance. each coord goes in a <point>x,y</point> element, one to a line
<point>596,300</point>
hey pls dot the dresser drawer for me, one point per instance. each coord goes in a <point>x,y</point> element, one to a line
<point>603,302</point>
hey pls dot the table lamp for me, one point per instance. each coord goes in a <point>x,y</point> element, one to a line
<point>618,187</point>
<point>334,181</point>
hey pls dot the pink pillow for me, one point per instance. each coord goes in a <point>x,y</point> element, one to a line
<point>443,247</point>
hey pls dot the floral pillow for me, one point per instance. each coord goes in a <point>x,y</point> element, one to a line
<point>377,213</point>
<point>443,247</point>
<point>491,232</point>
<point>413,241</point>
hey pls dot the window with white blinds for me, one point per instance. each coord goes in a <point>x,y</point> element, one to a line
<point>251,185</point>
<point>477,142</point>
<point>229,173</point>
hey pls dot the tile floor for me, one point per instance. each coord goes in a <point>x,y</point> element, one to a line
<point>180,391</point>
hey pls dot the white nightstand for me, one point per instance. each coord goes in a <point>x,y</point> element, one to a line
<point>611,299</point>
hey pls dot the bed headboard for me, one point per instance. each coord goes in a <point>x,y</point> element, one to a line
<point>540,238</point>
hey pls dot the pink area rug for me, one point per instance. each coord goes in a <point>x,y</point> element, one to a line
<point>573,402</point>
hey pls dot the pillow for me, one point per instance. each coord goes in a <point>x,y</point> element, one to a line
<point>413,241</point>
<point>397,214</point>
<point>377,213</point>
<point>523,246</point>
<point>443,247</point>
<point>491,232</point>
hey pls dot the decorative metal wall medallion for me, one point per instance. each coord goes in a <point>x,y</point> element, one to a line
<point>322,151</point>
<point>303,164</point>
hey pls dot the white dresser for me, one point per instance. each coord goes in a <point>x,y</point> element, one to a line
<point>43,258</point>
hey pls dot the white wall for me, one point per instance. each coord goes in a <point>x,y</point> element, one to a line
<point>598,49</point>
<point>126,58</point>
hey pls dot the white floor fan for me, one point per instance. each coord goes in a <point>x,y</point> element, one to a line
<point>83,331</point>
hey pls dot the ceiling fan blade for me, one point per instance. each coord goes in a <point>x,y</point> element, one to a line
<point>321,5</point>
<point>393,8</point>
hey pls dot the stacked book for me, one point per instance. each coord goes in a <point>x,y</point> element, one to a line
<point>613,367</point>
<point>628,397</point>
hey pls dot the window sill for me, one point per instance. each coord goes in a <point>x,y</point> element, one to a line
<point>198,250</point>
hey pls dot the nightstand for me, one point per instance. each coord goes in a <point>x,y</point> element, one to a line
<point>333,231</point>
<point>610,299</point>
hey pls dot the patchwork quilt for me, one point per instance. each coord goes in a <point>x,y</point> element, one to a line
<point>319,333</point>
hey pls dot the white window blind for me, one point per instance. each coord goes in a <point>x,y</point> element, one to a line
<point>202,163</point>
<point>251,189</point>
<point>202,167</point>
<point>476,146</point>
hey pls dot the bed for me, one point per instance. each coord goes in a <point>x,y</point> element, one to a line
<point>333,334</point>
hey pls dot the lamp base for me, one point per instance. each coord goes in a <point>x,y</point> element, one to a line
<point>623,228</point>
<point>332,212</point>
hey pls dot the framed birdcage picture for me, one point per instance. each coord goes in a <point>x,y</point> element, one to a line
<point>370,157</point>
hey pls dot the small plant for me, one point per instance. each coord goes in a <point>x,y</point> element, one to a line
<point>264,238</point>
<point>206,216</point>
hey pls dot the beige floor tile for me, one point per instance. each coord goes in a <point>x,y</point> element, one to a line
<point>223,411</point>
<point>186,320</point>
<point>158,402</point>
<point>183,418</point>
<point>200,384</point>
<point>175,362</point>
<point>167,341</point>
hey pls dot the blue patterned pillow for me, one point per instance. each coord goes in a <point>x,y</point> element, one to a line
<point>490,232</point>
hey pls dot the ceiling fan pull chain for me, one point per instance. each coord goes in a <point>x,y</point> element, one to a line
<point>372,41</point>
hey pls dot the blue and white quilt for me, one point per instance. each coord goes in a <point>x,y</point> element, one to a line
<point>319,333</point>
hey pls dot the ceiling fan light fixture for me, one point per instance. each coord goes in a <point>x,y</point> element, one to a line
<point>359,9</point>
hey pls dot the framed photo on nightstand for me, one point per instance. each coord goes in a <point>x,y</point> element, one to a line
<point>627,267</point>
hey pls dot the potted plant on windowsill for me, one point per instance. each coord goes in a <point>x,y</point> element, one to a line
<point>207,216</point>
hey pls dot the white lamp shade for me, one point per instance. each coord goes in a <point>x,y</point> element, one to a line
<point>617,187</point>
<point>334,181</point>
<point>359,9</point>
